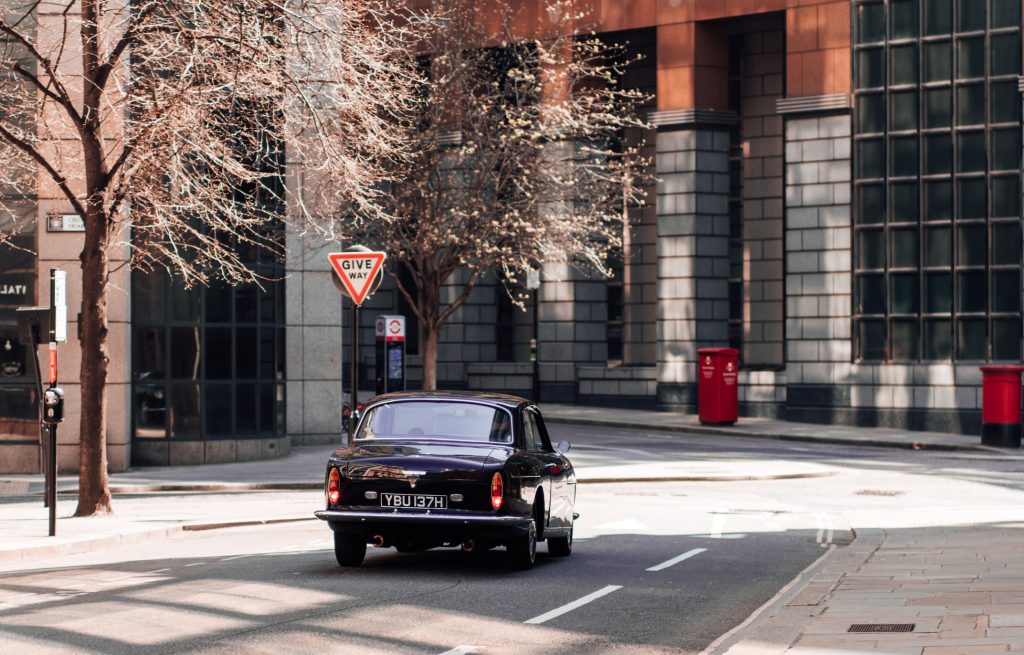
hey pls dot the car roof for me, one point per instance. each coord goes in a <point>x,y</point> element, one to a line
<point>503,399</point>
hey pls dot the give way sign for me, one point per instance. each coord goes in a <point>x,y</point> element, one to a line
<point>357,271</point>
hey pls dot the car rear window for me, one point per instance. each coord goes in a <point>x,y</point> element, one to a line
<point>437,420</point>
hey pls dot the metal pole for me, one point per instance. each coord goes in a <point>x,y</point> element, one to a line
<point>535,382</point>
<point>52,479</point>
<point>355,371</point>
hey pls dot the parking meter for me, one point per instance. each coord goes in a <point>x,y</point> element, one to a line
<point>53,406</point>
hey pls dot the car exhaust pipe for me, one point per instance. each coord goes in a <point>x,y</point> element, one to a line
<point>469,545</point>
<point>378,541</point>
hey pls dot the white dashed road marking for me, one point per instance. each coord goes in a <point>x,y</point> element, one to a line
<point>675,560</point>
<point>464,650</point>
<point>564,609</point>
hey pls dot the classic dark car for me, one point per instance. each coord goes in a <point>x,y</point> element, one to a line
<point>434,469</point>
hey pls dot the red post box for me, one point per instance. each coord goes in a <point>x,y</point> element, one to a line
<point>1000,405</point>
<point>717,385</point>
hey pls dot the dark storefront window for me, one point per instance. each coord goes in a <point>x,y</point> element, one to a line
<point>937,248</point>
<point>208,363</point>
<point>18,402</point>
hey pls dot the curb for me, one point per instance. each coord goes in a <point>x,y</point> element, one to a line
<point>22,555</point>
<point>776,625</point>
<point>732,432</point>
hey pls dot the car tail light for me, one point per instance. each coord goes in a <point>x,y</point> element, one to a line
<point>333,487</point>
<point>497,491</point>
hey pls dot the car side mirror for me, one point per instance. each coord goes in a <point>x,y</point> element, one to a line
<point>564,446</point>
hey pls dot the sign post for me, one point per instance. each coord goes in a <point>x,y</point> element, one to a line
<point>33,320</point>
<point>358,272</point>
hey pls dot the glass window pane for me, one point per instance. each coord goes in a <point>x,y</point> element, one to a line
<point>185,416</point>
<point>938,293</point>
<point>1005,197</point>
<point>267,409</point>
<point>971,57</point>
<point>903,18</point>
<point>871,203</point>
<point>971,152</point>
<point>219,410</point>
<point>1005,102</point>
<point>870,23</point>
<point>149,294</point>
<point>972,292</point>
<point>245,410</point>
<point>904,110</point>
<point>871,294</point>
<point>938,201</point>
<point>184,302</point>
<point>938,154</point>
<point>1006,291</point>
<point>938,340</point>
<point>1006,244</point>
<point>1006,339</point>
<point>904,203</point>
<point>218,303</point>
<point>1006,150</point>
<point>904,340</point>
<point>938,110</point>
<point>904,64</point>
<point>938,250</point>
<point>938,17</point>
<point>150,412</point>
<point>1005,54</point>
<point>218,353</point>
<point>904,293</point>
<point>246,357</point>
<point>972,198</point>
<point>246,303</point>
<point>970,104</point>
<point>938,61</point>
<point>149,358</point>
<point>871,68</point>
<point>971,15</point>
<point>871,158</point>
<point>870,113</point>
<point>871,340</point>
<point>904,156</point>
<point>972,245</point>
<point>970,339</point>
<point>870,249</point>
<point>1005,13</point>
<point>185,360</point>
<point>904,248</point>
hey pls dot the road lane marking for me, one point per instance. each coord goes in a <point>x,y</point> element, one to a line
<point>228,559</point>
<point>196,564</point>
<point>675,560</point>
<point>564,609</point>
<point>717,525</point>
<point>157,571</point>
<point>464,650</point>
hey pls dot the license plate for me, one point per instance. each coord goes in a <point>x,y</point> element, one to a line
<point>415,501</point>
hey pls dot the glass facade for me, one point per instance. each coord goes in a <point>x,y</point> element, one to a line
<point>937,150</point>
<point>18,397</point>
<point>208,363</point>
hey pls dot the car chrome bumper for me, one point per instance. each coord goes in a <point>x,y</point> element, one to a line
<point>358,521</point>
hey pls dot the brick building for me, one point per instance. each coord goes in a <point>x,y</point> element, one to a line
<point>838,196</point>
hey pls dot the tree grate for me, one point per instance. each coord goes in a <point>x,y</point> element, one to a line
<point>881,627</point>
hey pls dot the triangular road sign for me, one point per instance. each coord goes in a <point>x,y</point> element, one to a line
<point>357,272</point>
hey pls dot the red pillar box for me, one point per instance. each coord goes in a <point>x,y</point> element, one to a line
<point>717,389</point>
<point>1000,405</point>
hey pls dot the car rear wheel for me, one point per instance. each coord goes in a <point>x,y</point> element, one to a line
<point>349,549</point>
<point>522,552</point>
<point>560,546</point>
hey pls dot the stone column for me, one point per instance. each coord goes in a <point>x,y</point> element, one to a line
<point>693,245</point>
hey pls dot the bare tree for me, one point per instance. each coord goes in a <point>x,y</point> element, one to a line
<point>518,157</point>
<point>164,125</point>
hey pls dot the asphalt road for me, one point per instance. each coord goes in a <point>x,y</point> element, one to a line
<point>657,567</point>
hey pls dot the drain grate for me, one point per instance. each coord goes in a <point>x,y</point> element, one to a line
<point>881,627</point>
<point>879,492</point>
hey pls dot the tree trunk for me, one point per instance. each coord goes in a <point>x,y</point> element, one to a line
<point>430,358</point>
<point>93,484</point>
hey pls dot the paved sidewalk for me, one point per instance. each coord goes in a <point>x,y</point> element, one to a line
<point>954,590</point>
<point>766,428</point>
